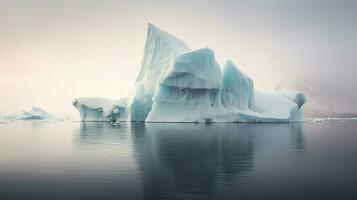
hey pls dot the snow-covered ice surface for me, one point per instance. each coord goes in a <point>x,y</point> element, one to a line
<point>177,84</point>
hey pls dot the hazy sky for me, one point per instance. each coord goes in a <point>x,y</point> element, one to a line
<point>53,51</point>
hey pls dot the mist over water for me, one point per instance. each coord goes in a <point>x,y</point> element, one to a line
<point>66,160</point>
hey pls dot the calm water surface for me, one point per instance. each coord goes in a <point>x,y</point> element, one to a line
<point>72,160</point>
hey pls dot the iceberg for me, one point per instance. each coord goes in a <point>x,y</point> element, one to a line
<point>100,109</point>
<point>37,114</point>
<point>177,84</point>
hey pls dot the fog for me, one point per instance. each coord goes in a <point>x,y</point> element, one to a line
<point>54,51</point>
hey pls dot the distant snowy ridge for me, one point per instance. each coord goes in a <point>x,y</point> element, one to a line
<point>177,84</point>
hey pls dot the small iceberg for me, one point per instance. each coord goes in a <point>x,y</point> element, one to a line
<point>37,114</point>
<point>319,120</point>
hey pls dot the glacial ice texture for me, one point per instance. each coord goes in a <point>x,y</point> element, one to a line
<point>159,51</point>
<point>177,84</point>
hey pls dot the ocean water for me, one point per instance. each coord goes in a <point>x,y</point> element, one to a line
<point>73,160</point>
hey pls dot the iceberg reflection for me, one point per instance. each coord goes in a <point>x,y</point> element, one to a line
<point>196,159</point>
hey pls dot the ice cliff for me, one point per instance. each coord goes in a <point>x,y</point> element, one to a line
<point>191,91</point>
<point>159,51</point>
<point>177,84</point>
<point>238,89</point>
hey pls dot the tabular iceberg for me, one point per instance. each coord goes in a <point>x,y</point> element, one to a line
<point>177,84</point>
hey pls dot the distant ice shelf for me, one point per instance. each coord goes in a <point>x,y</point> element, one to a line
<point>177,84</point>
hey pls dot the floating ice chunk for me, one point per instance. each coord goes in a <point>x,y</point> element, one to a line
<point>318,120</point>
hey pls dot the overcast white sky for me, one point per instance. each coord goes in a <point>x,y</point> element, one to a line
<point>53,51</point>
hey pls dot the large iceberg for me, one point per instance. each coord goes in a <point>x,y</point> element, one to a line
<point>177,84</point>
